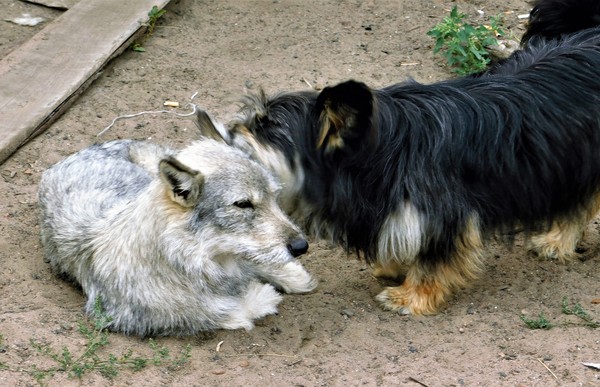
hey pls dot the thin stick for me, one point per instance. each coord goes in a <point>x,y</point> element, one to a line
<point>555,377</point>
<point>416,381</point>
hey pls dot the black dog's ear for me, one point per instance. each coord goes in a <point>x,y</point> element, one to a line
<point>211,128</point>
<point>346,116</point>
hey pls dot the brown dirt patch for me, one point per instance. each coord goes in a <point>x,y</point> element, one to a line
<point>338,335</point>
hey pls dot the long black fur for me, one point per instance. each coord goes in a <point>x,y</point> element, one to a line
<point>519,148</point>
<point>554,19</point>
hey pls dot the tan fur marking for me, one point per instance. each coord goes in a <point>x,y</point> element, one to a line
<point>330,130</point>
<point>561,241</point>
<point>389,269</point>
<point>424,290</point>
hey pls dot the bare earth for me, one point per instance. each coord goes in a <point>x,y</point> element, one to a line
<point>338,335</point>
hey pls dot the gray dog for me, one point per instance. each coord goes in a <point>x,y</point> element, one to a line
<point>171,242</point>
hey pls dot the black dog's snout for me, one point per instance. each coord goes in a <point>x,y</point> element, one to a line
<point>298,247</point>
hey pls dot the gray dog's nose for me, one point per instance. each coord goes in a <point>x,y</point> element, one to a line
<point>298,247</point>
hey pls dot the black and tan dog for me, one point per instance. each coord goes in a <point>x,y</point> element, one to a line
<point>417,178</point>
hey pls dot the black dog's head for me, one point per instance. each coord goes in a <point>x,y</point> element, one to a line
<point>289,132</point>
<point>346,118</point>
<point>339,119</point>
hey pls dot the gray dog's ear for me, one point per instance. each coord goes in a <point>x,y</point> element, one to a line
<point>346,117</point>
<point>183,184</point>
<point>211,128</point>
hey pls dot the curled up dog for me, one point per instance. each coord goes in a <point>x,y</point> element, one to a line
<point>171,242</point>
<point>417,178</point>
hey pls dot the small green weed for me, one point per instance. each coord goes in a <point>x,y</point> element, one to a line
<point>137,47</point>
<point>577,310</point>
<point>163,357</point>
<point>540,323</point>
<point>153,16</point>
<point>465,45</point>
<point>95,358</point>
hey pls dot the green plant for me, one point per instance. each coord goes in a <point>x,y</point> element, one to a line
<point>153,16</point>
<point>465,45</point>
<point>162,356</point>
<point>137,47</point>
<point>540,323</point>
<point>95,358</point>
<point>577,310</point>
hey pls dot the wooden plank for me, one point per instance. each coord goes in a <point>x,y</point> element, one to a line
<point>60,4</point>
<point>41,78</point>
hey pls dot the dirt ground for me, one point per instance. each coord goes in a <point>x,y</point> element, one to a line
<point>337,335</point>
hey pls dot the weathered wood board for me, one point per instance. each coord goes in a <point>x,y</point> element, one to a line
<point>60,4</point>
<point>40,79</point>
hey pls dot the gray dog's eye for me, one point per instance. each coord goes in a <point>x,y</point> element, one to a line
<point>243,204</point>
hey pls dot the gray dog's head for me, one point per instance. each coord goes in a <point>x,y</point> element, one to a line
<point>232,201</point>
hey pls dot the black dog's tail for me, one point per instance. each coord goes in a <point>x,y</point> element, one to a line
<point>552,19</point>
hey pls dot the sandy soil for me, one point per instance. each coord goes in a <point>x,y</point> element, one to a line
<point>338,335</point>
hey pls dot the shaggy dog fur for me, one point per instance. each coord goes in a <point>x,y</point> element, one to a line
<point>170,242</point>
<point>554,19</point>
<point>417,178</point>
